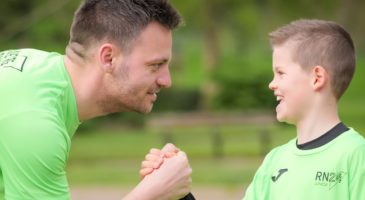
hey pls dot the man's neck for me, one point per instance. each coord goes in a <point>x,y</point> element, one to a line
<point>84,80</point>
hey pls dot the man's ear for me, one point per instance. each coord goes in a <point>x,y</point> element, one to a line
<point>320,77</point>
<point>107,56</point>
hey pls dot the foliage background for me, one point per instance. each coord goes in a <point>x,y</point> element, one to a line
<point>221,64</point>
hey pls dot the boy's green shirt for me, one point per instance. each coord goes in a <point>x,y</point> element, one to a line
<point>335,170</point>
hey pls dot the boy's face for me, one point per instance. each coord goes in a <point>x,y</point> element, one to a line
<point>291,85</point>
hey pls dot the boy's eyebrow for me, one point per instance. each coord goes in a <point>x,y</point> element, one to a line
<point>275,68</point>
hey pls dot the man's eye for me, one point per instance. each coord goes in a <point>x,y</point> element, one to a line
<point>157,65</point>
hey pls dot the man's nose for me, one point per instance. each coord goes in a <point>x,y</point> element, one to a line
<point>164,80</point>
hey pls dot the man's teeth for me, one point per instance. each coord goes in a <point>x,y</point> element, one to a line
<point>278,98</point>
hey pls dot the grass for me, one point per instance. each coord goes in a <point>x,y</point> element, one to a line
<point>113,157</point>
<point>206,171</point>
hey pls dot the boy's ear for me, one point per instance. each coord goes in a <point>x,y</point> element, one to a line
<point>107,56</point>
<point>320,77</point>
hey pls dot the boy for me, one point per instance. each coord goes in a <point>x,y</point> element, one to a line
<point>313,64</point>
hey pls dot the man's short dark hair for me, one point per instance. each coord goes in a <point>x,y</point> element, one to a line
<point>119,21</point>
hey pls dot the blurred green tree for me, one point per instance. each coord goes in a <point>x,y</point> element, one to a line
<point>217,54</point>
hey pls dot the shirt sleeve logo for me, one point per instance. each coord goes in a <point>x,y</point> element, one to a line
<point>12,59</point>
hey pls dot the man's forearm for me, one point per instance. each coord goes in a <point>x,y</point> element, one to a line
<point>143,191</point>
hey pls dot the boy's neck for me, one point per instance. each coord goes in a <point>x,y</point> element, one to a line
<point>316,123</point>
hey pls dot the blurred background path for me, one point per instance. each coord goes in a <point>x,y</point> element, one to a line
<point>115,193</point>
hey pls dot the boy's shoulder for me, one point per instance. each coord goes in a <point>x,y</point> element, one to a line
<point>353,142</point>
<point>280,150</point>
<point>352,139</point>
<point>347,143</point>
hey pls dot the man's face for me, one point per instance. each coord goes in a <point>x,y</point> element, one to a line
<point>141,73</point>
<point>291,85</point>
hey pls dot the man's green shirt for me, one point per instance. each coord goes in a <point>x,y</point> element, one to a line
<point>38,116</point>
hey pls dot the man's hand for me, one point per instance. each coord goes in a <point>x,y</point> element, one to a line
<point>155,158</point>
<point>171,177</point>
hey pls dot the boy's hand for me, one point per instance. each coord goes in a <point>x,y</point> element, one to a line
<point>153,160</point>
<point>170,150</point>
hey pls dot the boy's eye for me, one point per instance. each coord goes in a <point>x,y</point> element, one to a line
<point>280,72</point>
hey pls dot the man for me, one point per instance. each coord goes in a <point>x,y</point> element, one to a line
<point>116,61</point>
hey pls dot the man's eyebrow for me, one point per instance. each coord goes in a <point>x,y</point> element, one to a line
<point>158,60</point>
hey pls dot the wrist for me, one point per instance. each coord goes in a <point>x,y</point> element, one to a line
<point>145,190</point>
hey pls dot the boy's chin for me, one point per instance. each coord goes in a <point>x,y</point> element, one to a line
<point>287,121</point>
<point>280,118</point>
<point>284,119</point>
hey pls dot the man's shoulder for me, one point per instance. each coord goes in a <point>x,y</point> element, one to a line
<point>21,59</point>
<point>24,51</point>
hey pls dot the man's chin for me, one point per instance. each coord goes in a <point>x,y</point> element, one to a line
<point>148,110</point>
<point>144,110</point>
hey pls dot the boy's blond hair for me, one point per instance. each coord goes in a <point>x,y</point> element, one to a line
<point>323,43</point>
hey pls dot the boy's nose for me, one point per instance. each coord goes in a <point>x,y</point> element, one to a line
<point>272,85</point>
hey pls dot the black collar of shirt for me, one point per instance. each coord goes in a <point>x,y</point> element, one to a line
<point>325,138</point>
